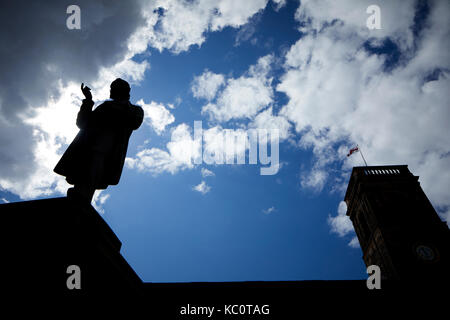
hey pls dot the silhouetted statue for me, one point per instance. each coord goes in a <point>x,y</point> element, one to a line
<point>96,156</point>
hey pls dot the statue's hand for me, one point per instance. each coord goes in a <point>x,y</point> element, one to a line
<point>86,91</point>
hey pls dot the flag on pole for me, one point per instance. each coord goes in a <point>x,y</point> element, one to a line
<point>352,150</point>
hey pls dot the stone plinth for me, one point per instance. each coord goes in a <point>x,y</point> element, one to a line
<point>42,238</point>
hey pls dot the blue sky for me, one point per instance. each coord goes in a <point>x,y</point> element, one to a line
<point>172,233</point>
<point>312,70</point>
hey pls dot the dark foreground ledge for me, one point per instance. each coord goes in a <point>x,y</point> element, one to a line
<point>41,238</point>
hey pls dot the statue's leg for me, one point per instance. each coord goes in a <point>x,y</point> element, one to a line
<point>89,193</point>
<point>85,191</point>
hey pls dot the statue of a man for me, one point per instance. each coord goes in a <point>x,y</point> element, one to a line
<point>96,156</point>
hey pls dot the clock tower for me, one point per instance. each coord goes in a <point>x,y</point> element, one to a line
<point>397,227</point>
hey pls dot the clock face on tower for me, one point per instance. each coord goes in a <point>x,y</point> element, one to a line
<point>425,253</point>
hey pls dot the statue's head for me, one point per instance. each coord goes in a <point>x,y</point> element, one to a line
<point>120,90</point>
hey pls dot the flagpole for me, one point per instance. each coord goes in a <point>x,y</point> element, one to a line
<point>362,155</point>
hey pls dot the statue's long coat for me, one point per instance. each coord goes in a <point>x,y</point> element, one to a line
<point>97,154</point>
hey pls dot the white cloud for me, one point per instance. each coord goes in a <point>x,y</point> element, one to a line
<point>269,210</point>
<point>5,200</point>
<point>247,31</point>
<point>341,223</point>
<point>354,243</point>
<point>156,115</point>
<point>178,101</point>
<point>396,17</point>
<point>181,150</point>
<point>266,120</point>
<point>244,97</point>
<point>219,146</point>
<point>248,97</point>
<point>279,4</point>
<point>203,188</point>
<point>207,173</point>
<point>315,179</point>
<point>153,160</point>
<point>99,200</point>
<point>53,126</point>
<point>340,94</point>
<point>206,85</point>
<point>236,12</point>
<point>177,25</point>
<point>222,145</point>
